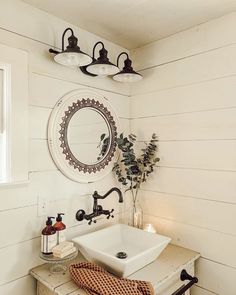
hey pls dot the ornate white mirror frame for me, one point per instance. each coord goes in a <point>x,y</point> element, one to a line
<point>59,147</point>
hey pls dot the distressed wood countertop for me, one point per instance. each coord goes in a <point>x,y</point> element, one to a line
<point>167,266</point>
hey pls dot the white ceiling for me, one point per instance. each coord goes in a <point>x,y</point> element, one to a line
<point>134,23</point>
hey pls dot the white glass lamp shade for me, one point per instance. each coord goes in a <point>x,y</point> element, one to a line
<point>102,66</point>
<point>70,58</point>
<point>102,69</point>
<point>127,77</point>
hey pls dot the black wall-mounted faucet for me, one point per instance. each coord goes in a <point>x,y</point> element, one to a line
<point>97,209</point>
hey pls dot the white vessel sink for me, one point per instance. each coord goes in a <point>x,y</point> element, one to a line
<point>102,246</point>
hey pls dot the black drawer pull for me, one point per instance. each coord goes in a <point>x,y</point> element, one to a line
<point>185,276</point>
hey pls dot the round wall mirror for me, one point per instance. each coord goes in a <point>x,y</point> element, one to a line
<point>82,136</point>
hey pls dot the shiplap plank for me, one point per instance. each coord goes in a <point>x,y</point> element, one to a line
<point>28,225</point>
<point>205,184</point>
<point>219,154</point>
<point>202,213</point>
<point>40,158</point>
<point>22,286</point>
<point>208,95</point>
<point>18,260</point>
<point>46,91</point>
<point>198,239</point>
<point>38,122</point>
<point>191,126</point>
<point>209,35</point>
<point>216,277</point>
<point>16,196</point>
<point>195,69</point>
<point>206,154</point>
<point>196,290</point>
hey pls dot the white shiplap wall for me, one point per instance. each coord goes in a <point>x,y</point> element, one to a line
<point>29,29</point>
<point>188,97</point>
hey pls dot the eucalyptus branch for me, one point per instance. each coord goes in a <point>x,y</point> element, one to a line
<point>131,170</point>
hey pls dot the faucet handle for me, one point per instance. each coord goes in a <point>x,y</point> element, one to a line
<point>92,221</point>
<point>112,216</point>
<point>108,217</point>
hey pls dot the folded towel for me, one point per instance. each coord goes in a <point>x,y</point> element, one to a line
<point>65,253</point>
<point>63,247</point>
<point>96,281</point>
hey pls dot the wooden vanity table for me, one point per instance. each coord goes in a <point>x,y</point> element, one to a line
<point>164,274</point>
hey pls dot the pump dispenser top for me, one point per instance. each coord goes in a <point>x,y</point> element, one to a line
<point>49,221</point>
<point>60,228</point>
<point>59,216</point>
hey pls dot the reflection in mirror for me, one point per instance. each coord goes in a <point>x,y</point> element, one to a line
<point>88,136</point>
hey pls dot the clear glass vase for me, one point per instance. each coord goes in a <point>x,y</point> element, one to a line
<point>136,214</point>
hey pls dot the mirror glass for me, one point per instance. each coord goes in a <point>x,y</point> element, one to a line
<point>88,136</point>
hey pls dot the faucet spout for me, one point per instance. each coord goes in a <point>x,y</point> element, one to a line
<point>96,196</point>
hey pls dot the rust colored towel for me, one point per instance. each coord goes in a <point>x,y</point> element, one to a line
<point>96,281</point>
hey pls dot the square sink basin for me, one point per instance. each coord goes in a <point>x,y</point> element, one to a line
<point>121,249</point>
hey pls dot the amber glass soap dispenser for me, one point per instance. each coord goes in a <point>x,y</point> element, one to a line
<point>60,228</point>
<point>48,238</point>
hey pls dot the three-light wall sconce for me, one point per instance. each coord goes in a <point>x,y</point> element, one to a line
<point>101,66</point>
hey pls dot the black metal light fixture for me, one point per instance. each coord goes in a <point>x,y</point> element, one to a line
<point>127,74</point>
<point>72,55</point>
<point>100,66</point>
